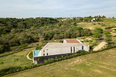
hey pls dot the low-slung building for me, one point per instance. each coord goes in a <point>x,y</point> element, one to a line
<point>67,47</point>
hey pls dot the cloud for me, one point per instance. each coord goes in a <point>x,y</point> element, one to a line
<point>54,8</point>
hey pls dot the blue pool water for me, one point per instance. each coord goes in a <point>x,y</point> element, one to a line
<point>36,52</point>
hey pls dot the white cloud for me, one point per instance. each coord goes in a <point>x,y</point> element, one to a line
<point>56,7</point>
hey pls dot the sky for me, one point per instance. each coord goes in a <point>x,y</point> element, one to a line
<point>56,8</point>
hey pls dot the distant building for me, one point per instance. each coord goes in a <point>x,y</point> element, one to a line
<point>67,47</point>
<point>94,19</point>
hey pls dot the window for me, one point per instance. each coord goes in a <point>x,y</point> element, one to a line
<point>43,52</point>
<point>82,47</point>
<point>71,49</point>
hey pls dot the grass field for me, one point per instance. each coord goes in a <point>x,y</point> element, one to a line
<point>90,25</point>
<point>108,22</point>
<point>102,64</point>
<point>19,58</point>
<point>16,59</point>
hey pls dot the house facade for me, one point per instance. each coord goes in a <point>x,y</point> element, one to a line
<point>67,47</point>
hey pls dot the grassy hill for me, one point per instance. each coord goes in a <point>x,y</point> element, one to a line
<point>25,35</point>
<point>16,59</point>
<point>21,32</point>
<point>102,64</point>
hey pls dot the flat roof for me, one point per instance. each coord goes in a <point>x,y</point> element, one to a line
<point>72,41</point>
<point>61,45</point>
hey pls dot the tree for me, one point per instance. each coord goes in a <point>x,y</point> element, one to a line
<point>18,32</point>
<point>21,25</point>
<point>106,33</point>
<point>112,17</point>
<point>97,32</point>
<point>4,48</point>
<point>86,32</point>
<point>81,19</point>
<point>97,35</point>
<point>75,24</point>
<point>103,16</point>
<point>108,39</point>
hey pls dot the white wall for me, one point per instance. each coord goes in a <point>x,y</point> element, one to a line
<point>64,41</point>
<point>54,51</point>
<point>86,47</point>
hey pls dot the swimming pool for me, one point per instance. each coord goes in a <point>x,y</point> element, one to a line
<point>36,52</point>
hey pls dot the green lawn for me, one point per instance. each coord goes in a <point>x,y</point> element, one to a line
<point>102,64</point>
<point>31,55</point>
<point>19,58</point>
<point>90,25</point>
<point>16,59</point>
<point>108,22</point>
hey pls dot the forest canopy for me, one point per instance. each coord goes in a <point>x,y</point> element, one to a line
<point>15,32</point>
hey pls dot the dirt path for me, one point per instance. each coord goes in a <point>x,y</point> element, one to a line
<point>99,46</point>
<point>28,55</point>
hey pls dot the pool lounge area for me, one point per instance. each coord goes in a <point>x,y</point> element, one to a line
<point>36,53</point>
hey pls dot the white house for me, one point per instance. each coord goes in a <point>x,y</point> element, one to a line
<point>68,46</point>
<point>94,19</point>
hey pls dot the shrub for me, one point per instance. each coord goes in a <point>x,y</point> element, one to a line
<point>46,61</point>
<point>6,54</point>
<point>1,62</point>
<point>59,59</point>
<point>4,48</point>
<point>56,59</point>
<point>9,70</point>
<point>37,47</point>
<point>51,60</point>
<point>31,55</point>
<point>108,39</point>
<point>23,46</point>
<point>97,32</point>
<point>16,60</point>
